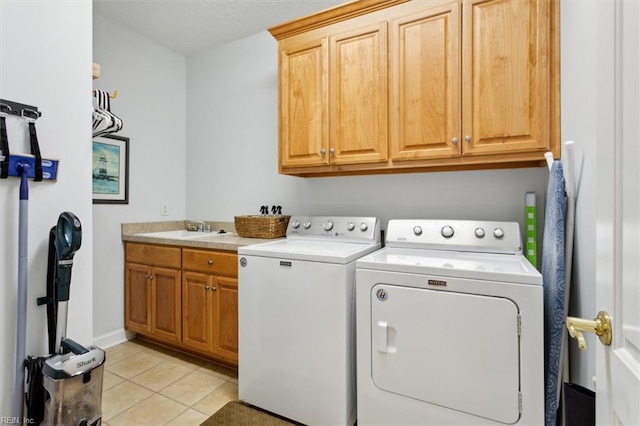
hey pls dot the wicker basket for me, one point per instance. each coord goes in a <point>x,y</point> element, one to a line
<point>265,226</point>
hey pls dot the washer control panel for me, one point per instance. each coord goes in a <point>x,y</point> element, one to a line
<point>459,235</point>
<point>339,228</point>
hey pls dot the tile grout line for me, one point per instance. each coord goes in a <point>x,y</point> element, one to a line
<point>192,365</point>
<point>153,393</point>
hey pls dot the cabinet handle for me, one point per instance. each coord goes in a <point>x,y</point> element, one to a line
<point>209,262</point>
<point>331,151</point>
<point>454,141</point>
<point>467,138</point>
<point>150,277</point>
<point>206,287</point>
<point>322,151</point>
<point>213,288</point>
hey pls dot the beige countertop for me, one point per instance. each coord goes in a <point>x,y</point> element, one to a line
<point>134,232</point>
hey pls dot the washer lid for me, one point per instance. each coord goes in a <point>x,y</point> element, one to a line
<point>511,268</point>
<point>310,250</point>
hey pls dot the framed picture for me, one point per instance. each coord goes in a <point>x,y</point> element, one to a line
<point>110,170</point>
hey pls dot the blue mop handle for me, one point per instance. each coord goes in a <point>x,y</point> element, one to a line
<point>21,347</point>
<point>24,183</point>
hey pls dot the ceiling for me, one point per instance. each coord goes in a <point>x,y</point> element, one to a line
<point>190,26</point>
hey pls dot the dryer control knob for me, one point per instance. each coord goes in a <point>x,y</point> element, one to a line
<point>350,226</point>
<point>363,227</point>
<point>327,226</point>
<point>498,233</point>
<point>479,232</point>
<point>447,231</point>
<point>417,230</point>
<point>306,224</point>
<point>295,224</point>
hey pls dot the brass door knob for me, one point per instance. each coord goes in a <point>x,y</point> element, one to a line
<point>209,262</point>
<point>600,326</point>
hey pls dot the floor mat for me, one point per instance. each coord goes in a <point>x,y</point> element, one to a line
<point>236,413</point>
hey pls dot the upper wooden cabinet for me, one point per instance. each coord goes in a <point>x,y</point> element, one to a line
<point>304,102</point>
<point>333,97</point>
<point>358,93</point>
<point>424,87</point>
<point>395,86</point>
<point>506,76</point>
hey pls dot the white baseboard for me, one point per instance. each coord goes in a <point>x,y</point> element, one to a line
<point>111,339</point>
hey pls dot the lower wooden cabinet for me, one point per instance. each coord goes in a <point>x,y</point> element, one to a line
<point>225,319</point>
<point>153,299</point>
<point>210,314</point>
<point>185,297</point>
<point>197,309</point>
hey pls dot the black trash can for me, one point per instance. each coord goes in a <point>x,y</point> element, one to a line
<point>579,408</point>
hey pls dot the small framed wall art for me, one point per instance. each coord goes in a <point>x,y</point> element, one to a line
<point>110,170</point>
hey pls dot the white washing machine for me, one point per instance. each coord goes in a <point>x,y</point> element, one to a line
<point>297,319</point>
<point>449,327</point>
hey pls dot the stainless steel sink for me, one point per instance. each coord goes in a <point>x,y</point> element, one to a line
<point>183,235</point>
<point>211,236</point>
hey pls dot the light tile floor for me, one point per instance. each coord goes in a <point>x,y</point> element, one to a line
<point>145,384</point>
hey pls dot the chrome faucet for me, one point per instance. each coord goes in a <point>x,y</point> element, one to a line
<point>196,225</point>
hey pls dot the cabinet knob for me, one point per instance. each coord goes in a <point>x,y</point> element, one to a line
<point>213,288</point>
<point>332,151</point>
<point>150,277</point>
<point>467,138</point>
<point>322,151</point>
<point>209,262</point>
<point>206,287</point>
<point>146,276</point>
<point>454,141</point>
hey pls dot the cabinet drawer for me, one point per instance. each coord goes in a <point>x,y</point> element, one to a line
<point>211,262</point>
<point>153,255</point>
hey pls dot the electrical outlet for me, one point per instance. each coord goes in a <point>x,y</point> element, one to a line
<point>164,210</point>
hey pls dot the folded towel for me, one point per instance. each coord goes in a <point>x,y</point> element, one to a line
<point>553,279</point>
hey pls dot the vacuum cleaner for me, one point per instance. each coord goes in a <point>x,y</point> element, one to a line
<point>64,388</point>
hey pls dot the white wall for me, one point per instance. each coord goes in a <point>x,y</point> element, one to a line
<point>150,81</point>
<point>45,61</point>
<point>579,73</point>
<point>232,157</point>
<point>231,153</point>
<point>232,148</point>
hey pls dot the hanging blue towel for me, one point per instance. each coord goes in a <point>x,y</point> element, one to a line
<point>553,281</point>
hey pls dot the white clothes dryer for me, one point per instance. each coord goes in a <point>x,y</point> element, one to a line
<point>449,327</point>
<point>297,319</point>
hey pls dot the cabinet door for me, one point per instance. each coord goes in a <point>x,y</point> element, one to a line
<point>424,92</point>
<point>197,306</point>
<point>303,102</point>
<point>358,94</point>
<point>166,304</point>
<point>225,321</point>
<point>137,312</point>
<point>506,76</point>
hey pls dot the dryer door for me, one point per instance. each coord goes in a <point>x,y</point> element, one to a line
<point>455,350</point>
